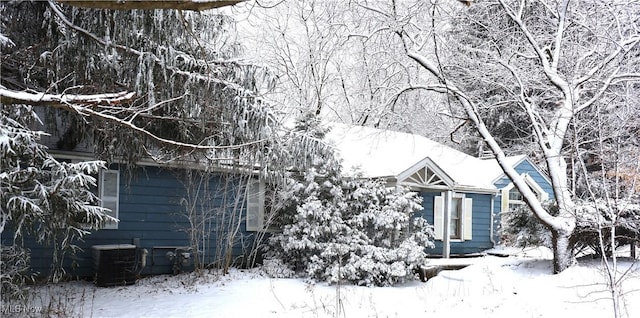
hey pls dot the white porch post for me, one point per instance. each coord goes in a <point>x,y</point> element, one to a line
<point>446,236</point>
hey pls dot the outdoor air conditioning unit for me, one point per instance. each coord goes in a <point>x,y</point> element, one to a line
<point>115,265</point>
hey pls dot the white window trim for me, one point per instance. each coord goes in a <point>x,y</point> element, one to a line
<point>459,238</point>
<point>257,208</point>
<point>540,193</point>
<point>466,217</point>
<point>100,195</point>
<point>255,197</point>
<point>108,197</point>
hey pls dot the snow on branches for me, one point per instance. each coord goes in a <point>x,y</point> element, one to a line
<point>339,229</point>
<point>600,218</point>
<point>595,220</point>
<point>8,96</point>
<point>52,201</point>
<point>186,92</point>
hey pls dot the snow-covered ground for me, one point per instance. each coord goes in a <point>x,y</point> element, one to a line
<point>520,285</point>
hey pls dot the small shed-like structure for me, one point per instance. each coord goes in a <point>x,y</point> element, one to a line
<point>463,196</point>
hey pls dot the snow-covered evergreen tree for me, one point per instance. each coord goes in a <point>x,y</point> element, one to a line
<point>344,229</point>
<point>136,84</point>
<point>523,229</point>
<point>52,201</point>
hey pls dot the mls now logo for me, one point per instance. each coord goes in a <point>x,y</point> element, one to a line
<point>20,309</point>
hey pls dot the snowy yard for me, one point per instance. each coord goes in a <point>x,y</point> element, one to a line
<point>351,126</point>
<point>517,286</point>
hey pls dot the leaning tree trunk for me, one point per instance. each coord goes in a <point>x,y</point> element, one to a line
<point>561,225</point>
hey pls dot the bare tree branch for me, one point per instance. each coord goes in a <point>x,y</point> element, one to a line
<point>562,19</point>
<point>548,67</point>
<point>471,110</point>
<point>539,126</point>
<point>623,47</point>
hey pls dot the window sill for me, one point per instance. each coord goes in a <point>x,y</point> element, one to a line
<point>453,240</point>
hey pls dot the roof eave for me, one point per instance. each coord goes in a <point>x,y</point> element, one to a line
<point>148,162</point>
<point>524,157</point>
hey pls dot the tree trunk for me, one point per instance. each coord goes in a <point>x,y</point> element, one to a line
<point>562,250</point>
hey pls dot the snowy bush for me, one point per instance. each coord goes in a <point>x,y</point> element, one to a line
<point>277,269</point>
<point>360,231</point>
<point>524,229</point>
<point>597,219</point>
<point>14,272</point>
<point>594,219</point>
<point>343,229</point>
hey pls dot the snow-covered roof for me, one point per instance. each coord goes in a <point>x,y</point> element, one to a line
<point>389,154</point>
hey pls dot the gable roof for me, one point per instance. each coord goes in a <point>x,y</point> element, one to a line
<point>377,153</point>
<point>389,154</point>
<point>491,169</point>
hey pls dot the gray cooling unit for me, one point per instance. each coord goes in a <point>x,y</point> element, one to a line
<point>114,265</point>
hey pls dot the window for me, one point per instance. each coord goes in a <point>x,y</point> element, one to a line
<point>425,176</point>
<point>460,219</point>
<point>261,209</point>
<point>108,192</point>
<point>455,225</point>
<point>516,200</point>
<point>512,199</point>
<point>255,205</point>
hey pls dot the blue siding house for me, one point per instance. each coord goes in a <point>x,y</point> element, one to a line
<point>169,216</point>
<point>464,197</point>
<point>172,217</point>
<point>508,198</point>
